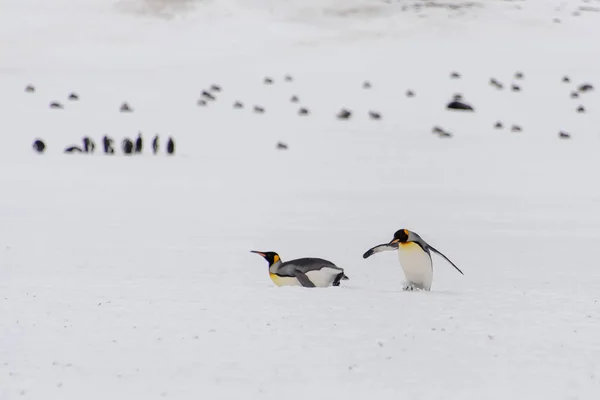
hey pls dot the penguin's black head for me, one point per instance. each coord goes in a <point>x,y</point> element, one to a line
<point>270,256</point>
<point>400,236</point>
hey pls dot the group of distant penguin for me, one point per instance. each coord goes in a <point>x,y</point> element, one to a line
<point>128,146</point>
<point>414,254</point>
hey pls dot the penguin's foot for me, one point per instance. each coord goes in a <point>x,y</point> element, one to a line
<point>411,287</point>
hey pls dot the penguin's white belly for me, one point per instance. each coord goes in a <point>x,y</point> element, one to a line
<point>323,277</point>
<point>416,265</point>
<point>284,280</point>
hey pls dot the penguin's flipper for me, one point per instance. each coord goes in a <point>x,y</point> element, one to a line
<point>303,279</point>
<point>379,248</point>
<point>447,259</point>
<point>339,277</point>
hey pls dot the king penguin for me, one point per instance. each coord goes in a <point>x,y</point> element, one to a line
<point>306,272</point>
<point>415,258</point>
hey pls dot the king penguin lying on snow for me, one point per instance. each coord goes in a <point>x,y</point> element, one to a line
<point>306,272</point>
<point>415,258</point>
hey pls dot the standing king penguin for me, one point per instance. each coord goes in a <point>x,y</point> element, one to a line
<point>415,258</point>
<point>306,272</point>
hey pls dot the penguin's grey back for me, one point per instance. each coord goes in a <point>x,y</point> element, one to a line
<point>305,265</point>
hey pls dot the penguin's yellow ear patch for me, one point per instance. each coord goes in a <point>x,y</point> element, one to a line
<point>406,231</point>
<point>276,258</point>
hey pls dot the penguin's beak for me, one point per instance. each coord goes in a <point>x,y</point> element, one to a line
<point>394,241</point>
<point>259,253</point>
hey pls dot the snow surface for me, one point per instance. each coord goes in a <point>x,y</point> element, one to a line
<point>131,277</point>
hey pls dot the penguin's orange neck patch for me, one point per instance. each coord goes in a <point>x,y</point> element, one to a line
<point>276,258</point>
<point>408,245</point>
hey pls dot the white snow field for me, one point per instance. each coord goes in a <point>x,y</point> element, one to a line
<point>132,278</point>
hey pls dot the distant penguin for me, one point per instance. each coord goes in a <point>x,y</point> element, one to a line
<point>170,146</point>
<point>206,95</point>
<point>107,142</point>
<point>155,144</point>
<point>39,146</point>
<point>139,143</point>
<point>459,105</point>
<point>344,114</point>
<point>494,82</point>
<point>73,149</point>
<point>125,107</point>
<point>440,132</point>
<point>88,145</point>
<point>127,146</point>
<point>374,115</point>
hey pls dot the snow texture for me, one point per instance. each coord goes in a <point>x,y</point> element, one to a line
<point>132,278</point>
